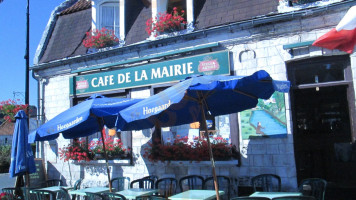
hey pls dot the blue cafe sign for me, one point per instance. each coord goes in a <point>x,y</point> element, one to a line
<point>217,63</point>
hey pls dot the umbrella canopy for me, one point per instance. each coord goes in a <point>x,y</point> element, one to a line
<point>22,160</point>
<point>194,98</point>
<point>82,119</point>
<point>180,104</point>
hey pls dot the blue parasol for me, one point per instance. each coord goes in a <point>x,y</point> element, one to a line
<point>83,119</point>
<point>194,98</point>
<point>22,160</point>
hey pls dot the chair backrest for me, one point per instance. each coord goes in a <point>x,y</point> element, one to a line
<point>295,198</point>
<point>114,196</point>
<point>166,187</point>
<point>120,183</point>
<point>145,183</point>
<point>153,177</point>
<point>191,182</point>
<point>9,193</point>
<point>223,184</point>
<point>94,196</point>
<point>266,183</point>
<point>313,187</point>
<point>54,182</point>
<point>43,194</point>
<point>250,198</point>
<point>77,184</point>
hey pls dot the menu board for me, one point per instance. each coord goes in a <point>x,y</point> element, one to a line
<point>39,177</point>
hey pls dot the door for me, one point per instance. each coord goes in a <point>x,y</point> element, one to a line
<point>321,111</point>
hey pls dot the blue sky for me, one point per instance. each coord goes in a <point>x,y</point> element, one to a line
<point>13,44</point>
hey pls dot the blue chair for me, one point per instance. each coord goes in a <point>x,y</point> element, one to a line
<point>266,183</point>
<point>94,196</point>
<point>114,196</point>
<point>10,193</point>
<point>223,184</point>
<point>120,183</point>
<point>191,182</point>
<point>315,187</point>
<point>166,187</point>
<point>145,183</point>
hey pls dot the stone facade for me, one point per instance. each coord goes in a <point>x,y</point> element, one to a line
<point>251,49</point>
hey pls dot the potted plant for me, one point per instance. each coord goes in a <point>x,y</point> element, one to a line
<point>75,151</point>
<point>182,150</point>
<point>114,148</point>
<point>166,22</point>
<point>102,38</point>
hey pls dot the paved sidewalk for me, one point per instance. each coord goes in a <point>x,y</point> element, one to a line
<point>6,181</point>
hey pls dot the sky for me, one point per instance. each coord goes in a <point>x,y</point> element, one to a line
<point>13,44</point>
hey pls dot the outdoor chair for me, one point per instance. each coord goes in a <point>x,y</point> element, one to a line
<point>266,183</point>
<point>250,198</point>
<point>54,182</point>
<point>26,193</point>
<point>153,177</point>
<point>94,196</point>
<point>145,183</point>
<point>223,184</point>
<point>295,198</point>
<point>120,183</point>
<point>166,187</point>
<point>191,182</point>
<point>313,187</point>
<point>114,196</point>
<point>76,186</point>
<point>43,194</point>
<point>10,193</point>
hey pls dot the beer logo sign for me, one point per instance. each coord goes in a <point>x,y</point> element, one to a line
<point>81,84</point>
<point>208,65</point>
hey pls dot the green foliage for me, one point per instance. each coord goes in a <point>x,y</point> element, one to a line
<point>5,156</point>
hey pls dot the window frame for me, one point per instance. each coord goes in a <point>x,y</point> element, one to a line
<point>74,100</point>
<point>97,12</point>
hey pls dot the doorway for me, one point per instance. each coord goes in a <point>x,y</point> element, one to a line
<point>322,105</point>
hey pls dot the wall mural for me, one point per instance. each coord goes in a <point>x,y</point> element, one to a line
<point>267,119</point>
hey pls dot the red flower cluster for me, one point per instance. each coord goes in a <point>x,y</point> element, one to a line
<point>166,22</point>
<point>100,39</point>
<point>113,149</point>
<point>183,150</point>
<point>10,107</point>
<point>3,196</point>
<point>75,151</point>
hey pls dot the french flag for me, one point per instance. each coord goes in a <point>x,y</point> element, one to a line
<point>343,37</point>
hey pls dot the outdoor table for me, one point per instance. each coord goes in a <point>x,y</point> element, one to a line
<point>275,194</point>
<point>133,193</point>
<point>196,195</point>
<point>82,192</point>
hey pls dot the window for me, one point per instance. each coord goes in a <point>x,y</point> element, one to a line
<point>110,17</point>
<point>109,14</point>
<point>161,6</point>
<point>125,137</point>
<point>191,135</point>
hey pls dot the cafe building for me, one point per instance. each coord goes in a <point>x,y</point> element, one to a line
<point>306,133</point>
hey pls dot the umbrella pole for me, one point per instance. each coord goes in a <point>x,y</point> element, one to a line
<point>100,121</point>
<point>210,150</point>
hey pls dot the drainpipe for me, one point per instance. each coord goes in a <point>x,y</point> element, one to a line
<point>40,112</point>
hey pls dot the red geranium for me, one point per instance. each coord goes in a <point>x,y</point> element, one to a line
<point>100,39</point>
<point>166,22</point>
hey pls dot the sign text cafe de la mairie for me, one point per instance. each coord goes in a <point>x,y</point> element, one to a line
<point>216,63</point>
